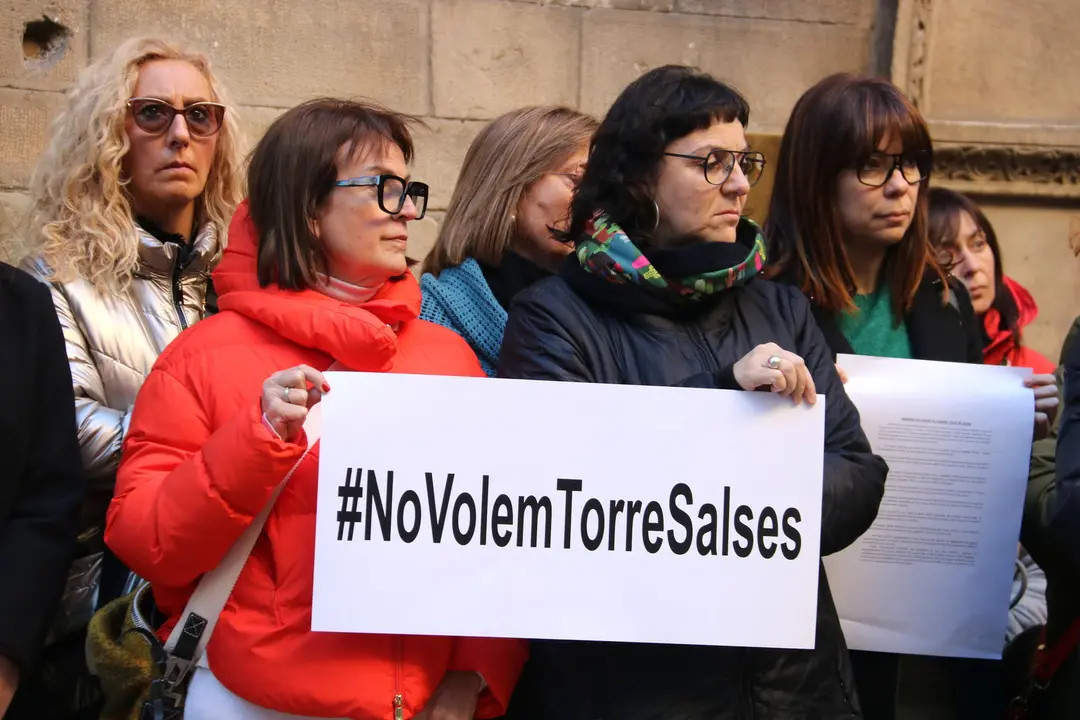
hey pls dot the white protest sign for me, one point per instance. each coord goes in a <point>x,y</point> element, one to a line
<point>508,508</point>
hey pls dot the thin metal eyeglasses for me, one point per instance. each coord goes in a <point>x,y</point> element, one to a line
<point>879,167</point>
<point>719,164</point>
<point>155,116</point>
<point>392,192</point>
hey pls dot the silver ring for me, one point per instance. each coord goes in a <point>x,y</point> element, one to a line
<point>773,363</point>
<point>285,393</point>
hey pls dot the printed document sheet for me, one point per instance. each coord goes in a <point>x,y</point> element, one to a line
<point>933,575</point>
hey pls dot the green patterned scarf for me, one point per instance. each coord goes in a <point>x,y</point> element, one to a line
<point>607,251</point>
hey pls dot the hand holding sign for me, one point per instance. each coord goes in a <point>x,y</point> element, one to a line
<point>1046,402</point>
<point>783,372</point>
<point>286,398</point>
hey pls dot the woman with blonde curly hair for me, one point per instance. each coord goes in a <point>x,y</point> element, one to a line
<point>130,203</point>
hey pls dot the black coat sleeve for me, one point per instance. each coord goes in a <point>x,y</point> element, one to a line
<point>1065,522</point>
<point>38,538</point>
<point>854,479</point>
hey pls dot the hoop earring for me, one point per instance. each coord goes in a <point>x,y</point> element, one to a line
<point>657,223</point>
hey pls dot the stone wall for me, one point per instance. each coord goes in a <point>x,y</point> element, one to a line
<point>998,83</point>
<point>456,63</point>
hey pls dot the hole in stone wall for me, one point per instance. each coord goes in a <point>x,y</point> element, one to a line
<point>44,43</point>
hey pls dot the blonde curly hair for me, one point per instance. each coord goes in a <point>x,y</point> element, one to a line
<point>80,221</point>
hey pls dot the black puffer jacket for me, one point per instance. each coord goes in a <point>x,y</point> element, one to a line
<point>577,327</point>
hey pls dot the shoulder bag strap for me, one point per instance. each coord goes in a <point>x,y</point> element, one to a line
<point>1044,665</point>
<point>186,645</point>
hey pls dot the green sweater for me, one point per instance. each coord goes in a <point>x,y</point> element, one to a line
<point>871,330</point>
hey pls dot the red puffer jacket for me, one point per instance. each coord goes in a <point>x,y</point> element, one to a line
<point>199,464</point>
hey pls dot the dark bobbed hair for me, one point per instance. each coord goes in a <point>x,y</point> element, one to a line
<point>835,126</point>
<point>945,209</point>
<point>661,106</point>
<point>292,172</point>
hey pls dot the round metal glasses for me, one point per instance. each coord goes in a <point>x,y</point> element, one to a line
<point>719,164</point>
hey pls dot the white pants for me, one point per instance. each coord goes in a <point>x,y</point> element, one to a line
<point>208,699</point>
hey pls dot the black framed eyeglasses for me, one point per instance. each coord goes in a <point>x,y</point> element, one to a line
<point>719,164</point>
<point>876,170</point>
<point>392,192</point>
<point>155,116</point>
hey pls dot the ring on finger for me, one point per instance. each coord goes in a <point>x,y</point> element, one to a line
<point>773,363</point>
<point>285,393</point>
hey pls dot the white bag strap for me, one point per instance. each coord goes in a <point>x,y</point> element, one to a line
<point>186,646</point>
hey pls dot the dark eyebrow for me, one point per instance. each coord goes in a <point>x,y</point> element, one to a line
<point>383,170</point>
<point>706,149</point>
<point>974,233</point>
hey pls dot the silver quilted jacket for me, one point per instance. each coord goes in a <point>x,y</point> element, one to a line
<point>112,342</point>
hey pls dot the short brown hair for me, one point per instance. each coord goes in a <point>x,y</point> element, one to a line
<point>835,126</point>
<point>507,156</point>
<point>292,172</point>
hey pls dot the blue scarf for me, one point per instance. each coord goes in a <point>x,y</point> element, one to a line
<point>460,299</point>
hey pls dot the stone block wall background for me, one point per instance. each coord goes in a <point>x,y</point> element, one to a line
<point>999,84</point>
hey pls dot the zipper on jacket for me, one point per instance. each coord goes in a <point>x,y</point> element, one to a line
<point>183,257</point>
<point>399,701</point>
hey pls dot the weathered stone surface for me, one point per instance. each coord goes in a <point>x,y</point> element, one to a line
<point>24,122</point>
<point>846,12</point>
<point>489,57</point>
<point>43,61</point>
<point>255,121</point>
<point>993,60</point>
<point>13,206</point>
<point>279,52</point>
<point>619,46</point>
<point>440,150</point>
<point>653,5</point>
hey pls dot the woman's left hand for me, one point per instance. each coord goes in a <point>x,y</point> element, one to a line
<point>454,699</point>
<point>1046,402</point>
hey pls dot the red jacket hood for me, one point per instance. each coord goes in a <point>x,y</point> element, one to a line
<point>358,336</point>
<point>1001,339</point>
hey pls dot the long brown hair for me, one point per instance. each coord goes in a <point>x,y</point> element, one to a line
<point>835,126</point>
<point>507,156</point>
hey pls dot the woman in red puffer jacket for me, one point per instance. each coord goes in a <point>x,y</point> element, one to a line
<point>315,273</point>
<point>967,242</point>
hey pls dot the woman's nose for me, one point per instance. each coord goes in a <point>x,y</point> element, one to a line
<point>736,184</point>
<point>179,133</point>
<point>409,210</point>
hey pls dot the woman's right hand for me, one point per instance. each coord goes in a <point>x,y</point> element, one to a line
<point>783,372</point>
<point>286,398</point>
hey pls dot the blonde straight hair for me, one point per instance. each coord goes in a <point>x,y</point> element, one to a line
<point>81,221</point>
<point>508,155</point>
